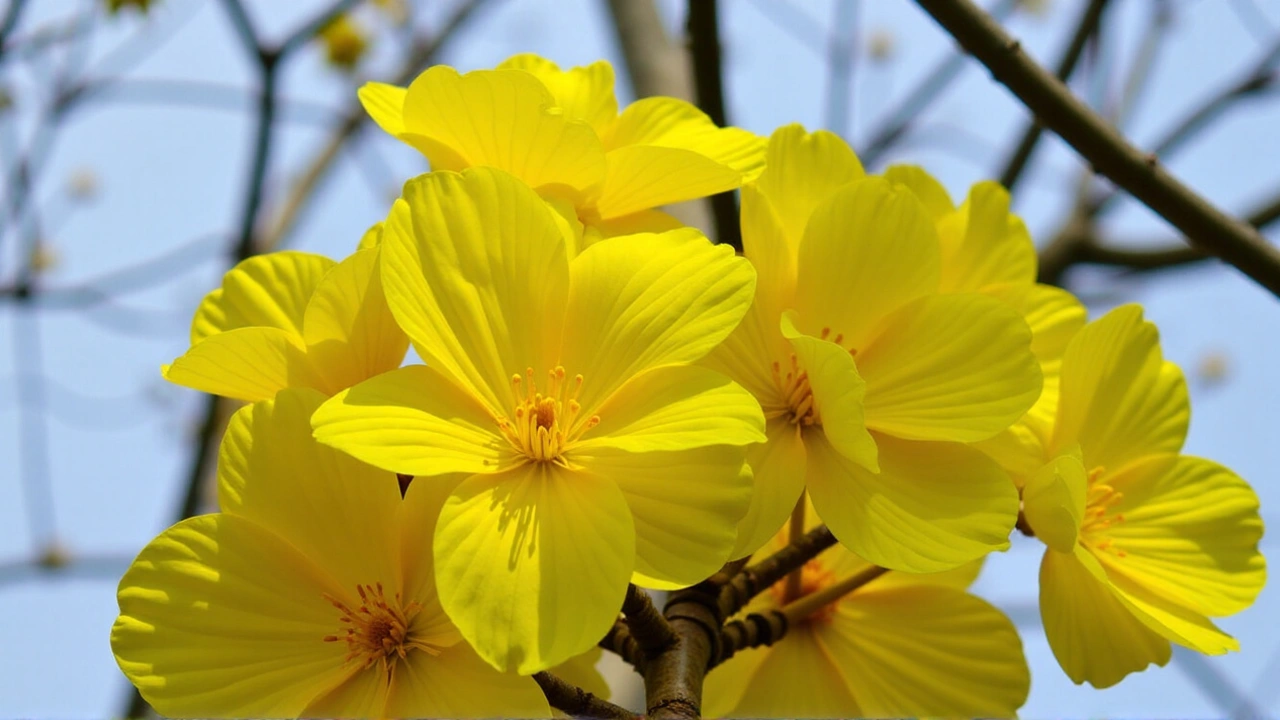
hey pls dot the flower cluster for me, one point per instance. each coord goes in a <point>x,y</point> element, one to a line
<point>602,397</point>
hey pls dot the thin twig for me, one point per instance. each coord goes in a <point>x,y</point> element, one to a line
<point>1200,221</point>
<point>759,577</point>
<point>576,702</point>
<point>708,83</point>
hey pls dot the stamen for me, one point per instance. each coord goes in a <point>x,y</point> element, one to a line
<point>378,630</point>
<point>546,423</point>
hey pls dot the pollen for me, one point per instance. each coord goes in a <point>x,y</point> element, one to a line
<point>543,426</point>
<point>1100,514</point>
<point>378,630</point>
<point>813,577</point>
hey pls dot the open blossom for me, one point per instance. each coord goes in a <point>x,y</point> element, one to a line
<point>900,646</point>
<point>291,319</point>
<point>559,405</point>
<point>311,594</point>
<point>560,131</point>
<point>1144,545</point>
<point>873,375</point>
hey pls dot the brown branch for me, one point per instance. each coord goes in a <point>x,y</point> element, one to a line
<point>619,642</point>
<point>647,626</point>
<point>1086,26</point>
<point>576,702</point>
<point>1200,221</point>
<point>708,83</point>
<point>754,580</point>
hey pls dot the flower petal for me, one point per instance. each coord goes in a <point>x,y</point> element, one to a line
<point>1054,501</point>
<point>932,507</point>
<point>270,290</point>
<point>778,470</point>
<point>532,564</point>
<point>385,104</point>
<point>414,421</point>
<point>983,244</point>
<point>925,187</point>
<point>1167,617</point>
<point>1093,634</point>
<point>1190,533</point>
<point>685,506</point>
<point>949,367</point>
<point>868,249</point>
<point>676,407</point>
<point>272,472</point>
<point>459,684</point>
<point>672,123</point>
<point>927,650</point>
<point>248,363</point>
<point>350,332</point>
<point>797,678</point>
<point>504,119</point>
<point>801,171</point>
<point>475,270</point>
<point>416,526</point>
<point>363,694</point>
<point>584,93</point>
<point>646,176</point>
<point>641,301</point>
<point>1120,399</point>
<point>220,617</point>
<point>838,392</point>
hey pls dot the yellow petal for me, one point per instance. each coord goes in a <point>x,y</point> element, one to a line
<point>868,249</point>
<point>532,564</point>
<point>983,244</point>
<point>644,221</point>
<point>363,694</point>
<point>385,104</point>
<point>372,237</point>
<point>475,270</point>
<point>1120,399</point>
<point>676,408</point>
<point>778,469</point>
<point>685,505</point>
<point>505,119</point>
<point>926,188</point>
<point>349,330</point>
<point>1190,533</point>
<point>584,93</point>
<point>416,527</point>
<point>1053,314</point>
<point>1054,501</point>
<point>249,363</point>
<point>220,617</point>
<point>838,392</point>
<point>646,176</point>
<point>332,508</point>
<point>671,123</point>
<point>269,290</point>
<point>723,687</point>
<point>801,171</point>
<point>933,506</point>
<point>413,421</point>
<point>843,563</point>
<point>949,367</point>
<point>1092,634</point>
<point>641,301</point>
<point>1174,621</point>
<point>1018,448</point>
<point>927,651</point>
<point>458,684</point>
<point>797,677</point>
<point>770,249</point>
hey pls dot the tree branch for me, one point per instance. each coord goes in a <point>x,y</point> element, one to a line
<point>576,702</point>
<point>648,627</point>
<point>1204,225</point>
<point>708,82</point>
<point>757,578</point>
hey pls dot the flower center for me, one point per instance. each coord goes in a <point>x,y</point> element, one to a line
<point>543,426</point>
<point>377,630</point>
<point>793,385</point>
<point>1100,514</point>
<point>813,577</point>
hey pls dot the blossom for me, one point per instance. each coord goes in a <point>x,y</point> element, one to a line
<point>559,404</point>
<point>1144,545</point>
<point>900,646</point>
<point>311,593</point>
<point>871,377</point>
<point>291,319</point>
<point>561,133</point>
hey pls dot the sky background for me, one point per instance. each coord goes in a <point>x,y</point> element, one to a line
<point>170,174</point>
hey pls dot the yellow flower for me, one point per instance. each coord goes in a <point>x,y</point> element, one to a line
<point>900,646</point>
<point>987,249</point>
<point>345,42</point>
<point>1144,545</point>
<point>311,593</point>
<point>291,319</point>
<point>871,377</point>
<point>593,452</point>
<point>561,133</point>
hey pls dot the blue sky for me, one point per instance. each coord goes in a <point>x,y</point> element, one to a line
<point>170,177</point>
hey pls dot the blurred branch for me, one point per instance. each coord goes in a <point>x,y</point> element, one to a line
<point>912,107</point>
<point>708,81</point>
<point>12,15</point>
<point>576,702</point>
<point>1086,26</point>
<point>1204,225</point>
<point>842,48</point>
<point>56,565</point>
<point>1144,61</point>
